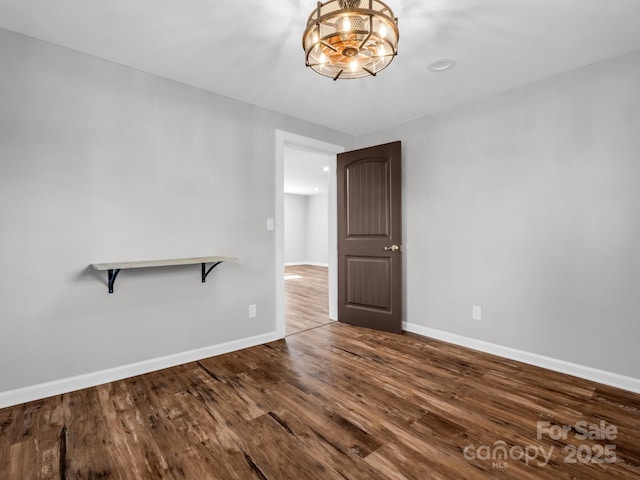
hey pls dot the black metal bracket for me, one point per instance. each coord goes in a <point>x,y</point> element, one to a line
<point>113,273</point>
<point>206,272</point>
<point>112,278</point>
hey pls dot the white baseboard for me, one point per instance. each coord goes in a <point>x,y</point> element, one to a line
<point>57,387</point>
<point>66,385</point>
<point>312,264</point>
<point>601,376</point>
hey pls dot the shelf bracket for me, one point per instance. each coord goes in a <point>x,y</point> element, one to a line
<point>112,278</point>
<point>206,272</point>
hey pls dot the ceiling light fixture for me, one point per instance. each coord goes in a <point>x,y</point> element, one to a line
<point>350,38</point>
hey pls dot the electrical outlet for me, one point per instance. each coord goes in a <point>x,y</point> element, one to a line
<point>476,312</point>
<point>252,311</point>
<point>270,224</point>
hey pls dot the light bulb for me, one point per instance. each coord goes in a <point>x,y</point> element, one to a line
<point>322,58</point>
<point>382,51</point>
<point>315,38</point>
<point>346,24</point>
<point>354,65</point>
<point>383,30</point>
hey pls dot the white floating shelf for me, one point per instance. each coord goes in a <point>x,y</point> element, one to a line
<point>113,268</point>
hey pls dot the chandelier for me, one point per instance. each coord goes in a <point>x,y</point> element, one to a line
<point>350,38</point>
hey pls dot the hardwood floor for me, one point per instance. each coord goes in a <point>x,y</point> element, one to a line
<point>334,402</point>
<point>306,297</point>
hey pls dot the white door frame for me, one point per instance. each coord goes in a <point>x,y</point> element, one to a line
<point>282,139</point>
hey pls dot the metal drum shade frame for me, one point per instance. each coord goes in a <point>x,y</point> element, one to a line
<point>347,39</point>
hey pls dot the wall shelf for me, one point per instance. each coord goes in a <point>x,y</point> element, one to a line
<point>113,269</point>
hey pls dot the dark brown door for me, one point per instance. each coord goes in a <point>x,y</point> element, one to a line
<point>370,237</point>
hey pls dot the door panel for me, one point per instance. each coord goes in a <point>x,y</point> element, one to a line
<point>368,206</point>
<point>369,223</point>
<point>369,282</point>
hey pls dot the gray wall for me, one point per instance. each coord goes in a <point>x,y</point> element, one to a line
<point>98,163</point>
<point>318,229</point>
<point>295,228</point>
<point>527,204</point>
<point>306,229</point>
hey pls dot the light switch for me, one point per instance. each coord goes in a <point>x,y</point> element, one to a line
<point>269,224</point>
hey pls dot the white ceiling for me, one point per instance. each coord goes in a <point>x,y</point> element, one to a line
<point>304,171</point>
<point>251,50</point>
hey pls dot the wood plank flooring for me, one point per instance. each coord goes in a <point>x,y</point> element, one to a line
<point>334,402</point>
<point>306,297</point>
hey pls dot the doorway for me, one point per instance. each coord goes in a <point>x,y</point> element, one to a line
<point>286,140</point>
<point>306,238</point>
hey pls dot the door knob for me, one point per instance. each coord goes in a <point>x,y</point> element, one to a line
<point>393,248</point>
